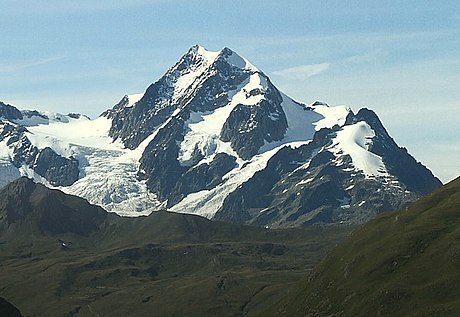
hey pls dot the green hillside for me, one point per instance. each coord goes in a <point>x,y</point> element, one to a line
<point>405,263</point>
<point>60,256</point>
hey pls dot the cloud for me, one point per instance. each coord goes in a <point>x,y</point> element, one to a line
<point>368,57</point>
<point>302,72</point>
<point>17,67</point>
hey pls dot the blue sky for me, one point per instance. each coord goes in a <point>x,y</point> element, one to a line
<point>400,58</point>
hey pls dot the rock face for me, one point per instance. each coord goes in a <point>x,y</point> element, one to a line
<point>175,156</point>
<point>318,183</point>
<point>286,164</point>
<point>56,169</point>
<point>213,136</point>
<point>9,112</point>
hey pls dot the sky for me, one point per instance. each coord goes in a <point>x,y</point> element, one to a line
<point>399,58</point>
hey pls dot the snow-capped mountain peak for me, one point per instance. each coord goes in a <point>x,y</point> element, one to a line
<point>198,50</point>
<point>236,60</point>
<point>213,136</point>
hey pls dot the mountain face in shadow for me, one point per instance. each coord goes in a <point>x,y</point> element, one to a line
<point>401,264</point>
<point>52,211</point>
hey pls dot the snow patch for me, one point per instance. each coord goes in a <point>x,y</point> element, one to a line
<point>204,127</point>
<point>8,172</point>
<point>207,202</point>
<point>210,56</point>
<point>354,140</point>
<point>331,116</point>
<point>240,62</point>
<point>300,122</point>
<point>305,181</point>
<point>350,187</point>
<point>133,99</point>
<point>65,138</point>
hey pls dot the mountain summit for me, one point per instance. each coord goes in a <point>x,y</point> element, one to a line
<point>213,136</point>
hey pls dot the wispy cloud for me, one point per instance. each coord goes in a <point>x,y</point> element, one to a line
<point>368,57</point>
<point>21,66</point>
<point>302,72</point>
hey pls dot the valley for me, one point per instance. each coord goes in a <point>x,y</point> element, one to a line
<point>214,194</point>
<point>164,264</point>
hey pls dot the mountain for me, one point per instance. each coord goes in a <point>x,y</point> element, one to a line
<point>98,263</point>
<point>214,137</point>
<point>20,155</point>
<point>401,264</point>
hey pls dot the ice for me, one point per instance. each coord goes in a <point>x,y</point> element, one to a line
<point>354,140</point>
<point>300,125</point>
<point>331,116</point>
<point>132,99</point>
<point>111,181</point>
<point>65,138</point>
<point>108,170</point>
<point>210,56</point>
<point>7,170</point>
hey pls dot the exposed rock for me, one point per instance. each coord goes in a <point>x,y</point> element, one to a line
<point>58,170</point>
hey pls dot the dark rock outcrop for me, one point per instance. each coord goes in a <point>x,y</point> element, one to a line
<point>8,310</point>
<point>9,112</point>
<point>58,170</point>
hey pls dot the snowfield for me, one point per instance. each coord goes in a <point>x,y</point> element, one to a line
<point>108,171</point>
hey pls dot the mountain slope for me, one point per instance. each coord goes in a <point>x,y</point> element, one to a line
<point>400,264</point>
<point>54,212</point>
<point>8,310</point>
<point>172,264</point>
<point>202,135</point>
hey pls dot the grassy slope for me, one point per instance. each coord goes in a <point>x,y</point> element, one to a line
<point>163,265</point>
<point>401,264</point>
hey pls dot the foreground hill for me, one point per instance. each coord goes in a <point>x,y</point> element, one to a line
<point>60,256</point>
<point>8,310</point>
<point>402,264</point>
